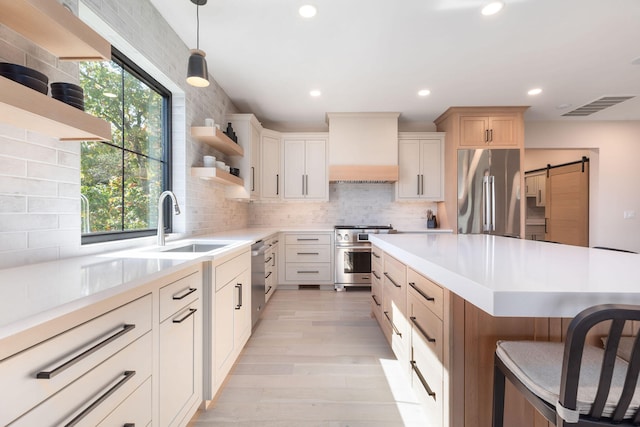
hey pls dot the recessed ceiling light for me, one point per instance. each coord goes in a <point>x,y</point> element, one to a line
<point>536,91</point>
<point>492,8</point>
<point>424,92</point>
<point>307,11</point>
<point>315,93</point>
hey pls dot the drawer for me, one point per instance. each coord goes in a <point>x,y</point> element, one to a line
<point>308,272</point>
<point>376,257</point>
<point>91,396</point>
<point>426,327</point>
<point>307,239</point>
<point>431,294</point>
<point>179,293</point>
<point>297,253</point>
<point>56,355</point>
<point>229,270</point>
<point>427,382</point>
<point>135,410</point>
<point>397,320</point>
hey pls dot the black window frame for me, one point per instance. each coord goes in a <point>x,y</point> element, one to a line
<point>109,236</point>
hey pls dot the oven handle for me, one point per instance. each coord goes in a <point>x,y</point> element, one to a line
<point>362,248</point>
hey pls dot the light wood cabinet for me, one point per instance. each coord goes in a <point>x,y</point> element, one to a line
<point>377,292</point>
<point>271,173</point>
<point>536,187</point>
<point>421,165</point>
<point>477,127</point>
<point>180,357</point>
<point>394,307</point>
<point>305,167</point>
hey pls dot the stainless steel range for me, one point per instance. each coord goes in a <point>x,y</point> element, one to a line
<point>353,253</point>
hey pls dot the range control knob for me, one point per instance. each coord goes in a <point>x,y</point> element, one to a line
<point>346,237</point>
<point>339,237</point>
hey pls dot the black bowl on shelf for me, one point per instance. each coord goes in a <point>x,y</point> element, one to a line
<point>65,98</point>
<point>64,87</point>
<point>25,76</point>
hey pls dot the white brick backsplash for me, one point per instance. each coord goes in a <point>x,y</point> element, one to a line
<point>13,241</point>
<point>57,173</point>
<point>53,205</point>
<point>13,167</point>
<point>27,186</point>
<point>25,150</point>
<point>13,204</point>
<point>68,190</point>
<point>71,160</point>
<point>53,238</point>
<point>31,222</point>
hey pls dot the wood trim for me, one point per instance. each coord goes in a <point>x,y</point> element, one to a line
<point>217,139</point>
<point>479,111</point>
<point>218,175</point>
<point>363,173</point>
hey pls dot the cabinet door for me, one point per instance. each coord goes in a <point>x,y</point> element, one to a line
<point>316,185</point>
<point>242,310</point>
<point>531,186</point>
<point>502,131</point>
<point>255,163</point>
<point>270,168</point>
<point>294,169</point>
<point>541,190</point>
<point>432,182</point>
<point>224,317</point>
<point>409,165</point>
<point>180,361</point>
<point>474,131</point>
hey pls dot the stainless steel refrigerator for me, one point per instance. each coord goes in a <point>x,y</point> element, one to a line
<point>489,191</point>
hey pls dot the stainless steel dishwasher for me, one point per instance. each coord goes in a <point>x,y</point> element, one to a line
<point>257,280</point>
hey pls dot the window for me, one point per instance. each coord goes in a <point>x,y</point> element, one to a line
<point>122,179</point>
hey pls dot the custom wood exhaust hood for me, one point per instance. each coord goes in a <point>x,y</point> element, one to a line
<point>363,147</point>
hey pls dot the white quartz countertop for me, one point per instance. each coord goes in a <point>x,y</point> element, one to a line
<point>34,294</point>
<point>513,277</point>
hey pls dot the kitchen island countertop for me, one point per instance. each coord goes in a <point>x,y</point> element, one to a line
<point>514,277</point>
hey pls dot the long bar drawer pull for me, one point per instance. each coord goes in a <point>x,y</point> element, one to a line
<point>127,376</point>
<point>422,331</point>
<point>129,425</point>
<point>308,253</point>
<point>55,371</point>
<point>375,300</point>
<point>308,271</point>
<point>375,254</point>
<point>268,290</point>
<point>239,288</point>
<point>267,276</point>
<point>186,293</point>
<point>425,296</point>
<point>386,313</point>
<point>375,274</point>
<point>268,260</point>
<point>414,366</point>
<point>306,239</point>
<point>392,281</point>
<point>186,316</point>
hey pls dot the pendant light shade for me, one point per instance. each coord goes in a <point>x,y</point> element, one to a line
<point>197,72</point>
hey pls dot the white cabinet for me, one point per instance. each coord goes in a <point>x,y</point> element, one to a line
<point>247,129</point>
<point>228,321</point>
<point>271,266</point>
<point>66,376</point>
<point>421,163</point>
<point>308,259</point>
<point>270,165</point>
<point>305,167</point>
<point>180,357</point>
<point>536,187</point>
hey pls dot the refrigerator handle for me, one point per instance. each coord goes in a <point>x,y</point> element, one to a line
<point>486,212</point>
<point>493,202</point>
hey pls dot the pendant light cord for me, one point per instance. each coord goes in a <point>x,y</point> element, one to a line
<point>198,26</point>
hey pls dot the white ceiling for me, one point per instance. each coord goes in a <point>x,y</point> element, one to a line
<point>374,55</point>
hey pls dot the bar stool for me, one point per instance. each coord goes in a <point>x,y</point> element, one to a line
<point>570,383</point>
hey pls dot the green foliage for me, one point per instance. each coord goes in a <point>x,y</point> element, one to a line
<point>122,178</point>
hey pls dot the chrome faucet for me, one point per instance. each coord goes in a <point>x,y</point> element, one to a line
<point>176,210</point>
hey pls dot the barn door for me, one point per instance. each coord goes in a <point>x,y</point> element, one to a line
<point>567,205</point>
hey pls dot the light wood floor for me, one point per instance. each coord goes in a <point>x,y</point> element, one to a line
<point>316,358</point>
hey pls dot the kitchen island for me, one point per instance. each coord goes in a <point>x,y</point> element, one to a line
<point>500,288</point>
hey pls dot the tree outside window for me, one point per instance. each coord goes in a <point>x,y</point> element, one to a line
<point>122,179</point>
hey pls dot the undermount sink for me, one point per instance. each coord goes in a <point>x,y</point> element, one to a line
<point>197,247</point>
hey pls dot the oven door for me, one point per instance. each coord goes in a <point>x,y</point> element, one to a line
<point>353,265</point>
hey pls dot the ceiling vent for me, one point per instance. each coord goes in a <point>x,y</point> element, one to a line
<point>597,105</point>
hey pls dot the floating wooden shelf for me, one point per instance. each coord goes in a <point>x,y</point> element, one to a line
<point>26,108</point>
<point>51,26</point>
<point>217,139</point>
<point>218,175</point>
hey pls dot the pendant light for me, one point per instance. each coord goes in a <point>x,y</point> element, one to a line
<point>197,73</point>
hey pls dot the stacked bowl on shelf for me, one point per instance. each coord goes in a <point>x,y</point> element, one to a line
<point>25,76</point>
<point>69,94</point>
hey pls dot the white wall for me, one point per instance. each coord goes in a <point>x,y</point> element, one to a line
<point>614,149</point>
<point>40,176</point>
